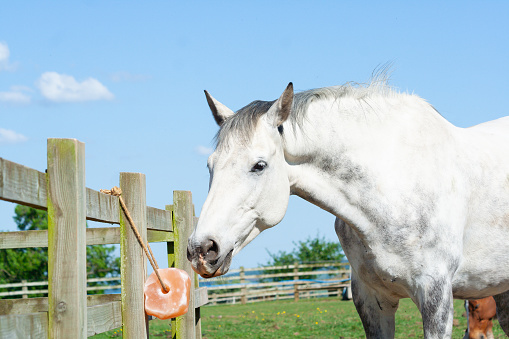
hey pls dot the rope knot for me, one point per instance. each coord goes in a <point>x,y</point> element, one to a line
<point>115,191</point>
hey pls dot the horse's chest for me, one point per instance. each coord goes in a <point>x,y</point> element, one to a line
<point>385,271</point>
<point>375,264</point>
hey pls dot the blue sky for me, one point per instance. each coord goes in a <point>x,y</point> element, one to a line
<point>127,79</point>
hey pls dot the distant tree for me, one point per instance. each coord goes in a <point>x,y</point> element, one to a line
<point>318,249</point>
<point>31,264</point>
<point>311,250</point>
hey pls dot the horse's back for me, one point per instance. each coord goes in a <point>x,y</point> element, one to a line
<point>488,144</point>
<point>497,128</point>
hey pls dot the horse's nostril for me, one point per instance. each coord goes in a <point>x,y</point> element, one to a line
<point>189,257</point>
<point>211,249</point>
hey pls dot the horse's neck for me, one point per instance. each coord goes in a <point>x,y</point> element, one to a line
<point>342,157</point>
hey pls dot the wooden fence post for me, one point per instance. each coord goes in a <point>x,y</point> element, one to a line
<point>243,289</point>
<point>197,310</point>
<point>183,226</point>
<point>349,288</point>
<point>170,249</point>
<point>296,278</point>
<point>67,253</point>
<point>133,262</point>
<point>24,288</point>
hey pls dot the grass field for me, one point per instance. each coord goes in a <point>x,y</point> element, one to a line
<point>311,318</point>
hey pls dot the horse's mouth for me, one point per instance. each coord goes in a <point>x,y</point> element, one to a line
<point>221,269</point>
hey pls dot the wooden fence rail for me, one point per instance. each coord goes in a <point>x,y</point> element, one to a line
<point>24,291</point>
<point>68,312</point>
<point>323,279</point>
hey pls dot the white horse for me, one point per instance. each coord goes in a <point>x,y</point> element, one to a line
<point>422,206</point>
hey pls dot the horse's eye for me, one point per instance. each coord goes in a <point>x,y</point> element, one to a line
<point>260,166</point>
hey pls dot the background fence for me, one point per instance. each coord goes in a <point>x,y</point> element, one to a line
<point>68,312</point>
<point>280,282</point>
<point>41,287</point>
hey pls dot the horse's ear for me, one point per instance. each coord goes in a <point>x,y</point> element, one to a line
<point>219,111</point>
<point>280,110</point>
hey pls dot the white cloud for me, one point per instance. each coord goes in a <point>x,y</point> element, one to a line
<point>19,88</point>
<point>202,150</point>
<point>5,53</point>
<point>64,88</point>
<point>10,137</point>
<point>15,95</point>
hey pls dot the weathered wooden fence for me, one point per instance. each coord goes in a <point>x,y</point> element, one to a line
<point>68,312</point>
<point>280,282</point>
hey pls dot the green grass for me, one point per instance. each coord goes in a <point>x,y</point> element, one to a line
<point>310,318</point>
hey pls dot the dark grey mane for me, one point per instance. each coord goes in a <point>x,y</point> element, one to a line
<point>242,124</point>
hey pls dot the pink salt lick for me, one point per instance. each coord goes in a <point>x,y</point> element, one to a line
<point>166,305</point>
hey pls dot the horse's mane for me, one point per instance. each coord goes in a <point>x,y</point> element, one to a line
<point>359,91</point>
<point>243,122</point>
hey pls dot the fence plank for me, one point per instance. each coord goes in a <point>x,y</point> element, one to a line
<point>4,294</point>
<point>25,326</point>
<point>67,273</point>
<point>21,184</point>
<point>183,218</point>
<point>276,275</point>
<point>97,299</point>
<point>103,235</point>
<point>30,239</point>
<point>102,318</point>
<point>102,207</point>
<point>201,297</point>
<point>22,284</point>
<point>23,239</point>
<point>40,304</point>
<point>27,186</point>
<point>159,220</point>
<point>160,236</point>
<point>23,306</point>
<point>133,262</point>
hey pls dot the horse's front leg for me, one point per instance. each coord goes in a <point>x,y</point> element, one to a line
<point>434,300</point>
<point>502,301</point>
<point>376,311</point>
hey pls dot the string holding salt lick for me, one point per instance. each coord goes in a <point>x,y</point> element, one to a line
<point>117,192</point>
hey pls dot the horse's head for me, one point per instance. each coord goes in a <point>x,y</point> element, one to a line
<point>480,315</point>
<point>249,186</point>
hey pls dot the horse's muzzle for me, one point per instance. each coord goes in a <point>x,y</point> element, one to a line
<point>206,260</point>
